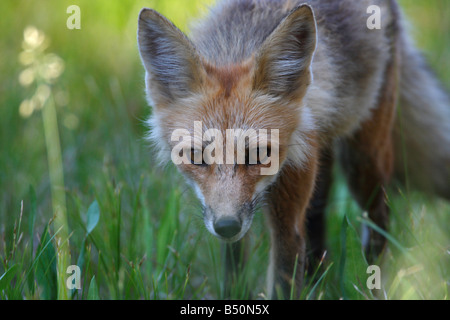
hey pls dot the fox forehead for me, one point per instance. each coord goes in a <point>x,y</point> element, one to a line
<point>230,115</point>
<point>227,100</point>
<point>226,79</point>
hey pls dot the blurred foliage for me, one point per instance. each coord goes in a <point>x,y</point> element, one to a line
<point>102,82</point>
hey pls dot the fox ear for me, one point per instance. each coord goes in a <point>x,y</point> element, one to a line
<point>284,60</point>
<point>170,59</point>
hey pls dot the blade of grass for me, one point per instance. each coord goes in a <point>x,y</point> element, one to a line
<point>32,218</point>
<point>319,281</point>
<point>54,158</point>
<point>294,274</point>
<point>93,290</point>
<point>7,277</point>
<point>342,260</point>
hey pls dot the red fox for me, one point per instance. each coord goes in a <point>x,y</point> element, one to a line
<point>326,87</point>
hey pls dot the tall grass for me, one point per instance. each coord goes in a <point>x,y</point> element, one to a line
<point>135,230</point>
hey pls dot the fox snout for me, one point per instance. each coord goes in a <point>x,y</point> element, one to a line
<point>227,227</point>
<point>232,225</point>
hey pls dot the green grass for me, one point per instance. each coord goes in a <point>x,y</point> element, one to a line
<point>135,230</point>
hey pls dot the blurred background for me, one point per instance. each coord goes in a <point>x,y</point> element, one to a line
<point>135,229</point>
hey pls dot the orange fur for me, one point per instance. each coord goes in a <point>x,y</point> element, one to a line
<point>286,212</point>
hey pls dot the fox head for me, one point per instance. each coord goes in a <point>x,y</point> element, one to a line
<point>197,103</point>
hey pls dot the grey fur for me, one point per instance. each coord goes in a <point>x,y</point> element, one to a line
<point>422,131</point>
<point>348,63</point>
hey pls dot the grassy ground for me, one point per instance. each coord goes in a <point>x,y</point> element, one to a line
<point>135,230</point>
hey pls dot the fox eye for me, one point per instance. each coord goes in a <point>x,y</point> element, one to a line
<point>196,154</point>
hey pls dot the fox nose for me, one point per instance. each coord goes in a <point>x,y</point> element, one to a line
<point>227,227</point>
